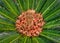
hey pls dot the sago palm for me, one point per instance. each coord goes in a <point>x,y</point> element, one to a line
<point>29,21</point>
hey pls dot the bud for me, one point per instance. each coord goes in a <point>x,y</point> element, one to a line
<point>30,23</point>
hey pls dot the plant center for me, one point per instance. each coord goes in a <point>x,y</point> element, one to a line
<point>30,23</point>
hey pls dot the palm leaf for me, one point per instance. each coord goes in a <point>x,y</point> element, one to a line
<point>53,14</point>
<point>10,6</point>
<point>20,4</point>
<point>28,40</point>
<point>40,5</point>
<point>6,14</point>
<point>53,9</point>
<point>10,38</point>
<point>49,6</point>
<point>51,36</point>
<point>34,4</point>
<point>53,23</point>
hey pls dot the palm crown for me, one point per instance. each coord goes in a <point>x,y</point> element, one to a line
<point>11,9</point>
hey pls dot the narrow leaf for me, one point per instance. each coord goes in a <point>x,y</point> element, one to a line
<point>52,36</point>
<point>9,7</point>
<point>52,15</point>
<point>52,24</point>
<point>10,38</point>
<point>49,7</point>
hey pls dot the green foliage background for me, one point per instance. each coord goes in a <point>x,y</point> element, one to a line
<point>11,9</point>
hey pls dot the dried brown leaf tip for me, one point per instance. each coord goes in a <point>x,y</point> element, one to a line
<point>30,23</point>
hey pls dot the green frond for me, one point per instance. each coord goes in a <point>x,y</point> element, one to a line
<point>6,25</point>
<point>6,14</point>
<point>25,40</point>
<point>34,4</point>
<point>20,5</point>
<point>39,39</point>
<point>13,6</point>
<point>22,39</point>
<point>52,31</point>
<point>40,5</point>
<point>4,21</point>
<point>34,40</point>
<point>51,36</point>
<point>52,9</point>
<point>9,38</point>
<point>55,33</point>
<point>52,15</point>
<point>28,40</point>
<point>30,4</point>
<point>9,4</point>
<point>15,39</point>
<point>52,24</point>
<point>46,5</point>
<point>26,4</point>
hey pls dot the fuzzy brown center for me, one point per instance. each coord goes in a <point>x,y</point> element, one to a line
<point>30,23</point>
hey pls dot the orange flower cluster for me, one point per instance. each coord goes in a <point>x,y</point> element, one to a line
<point>30,23</point>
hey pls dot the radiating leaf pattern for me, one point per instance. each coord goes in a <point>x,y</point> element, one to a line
<point>10,9</point>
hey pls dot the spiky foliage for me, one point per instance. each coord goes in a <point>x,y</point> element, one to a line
<point>11,9</point>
